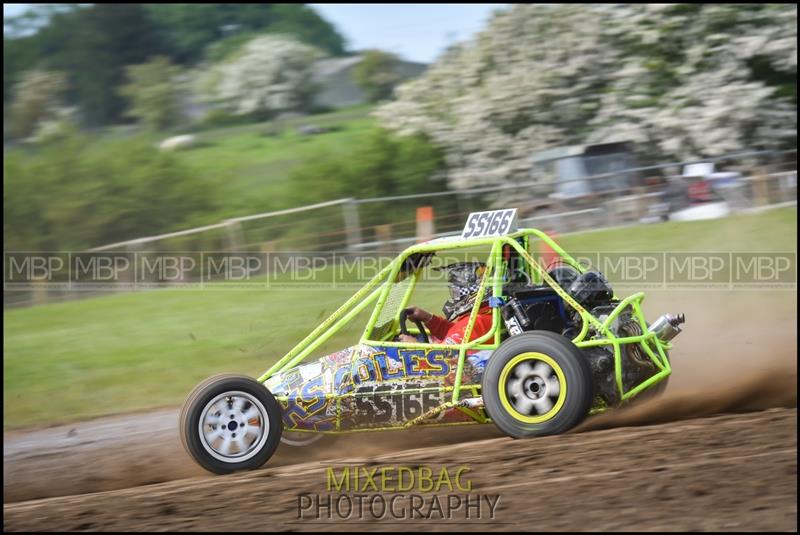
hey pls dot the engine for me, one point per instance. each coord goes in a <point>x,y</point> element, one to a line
<point>636,365</point>
<point>540,308</point>
<point>591,289</point>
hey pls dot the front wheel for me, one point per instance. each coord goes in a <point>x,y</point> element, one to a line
<point>537,383</point>
<point>230,423</point>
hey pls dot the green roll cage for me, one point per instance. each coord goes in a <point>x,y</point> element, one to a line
<point>379,287</point>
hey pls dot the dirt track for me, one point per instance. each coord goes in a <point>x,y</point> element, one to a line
<point>711,474</point>
<point>732,472</point>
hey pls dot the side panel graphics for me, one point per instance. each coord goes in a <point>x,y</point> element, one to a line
<point>373,386</point>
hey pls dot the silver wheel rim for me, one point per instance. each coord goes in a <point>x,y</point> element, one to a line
<point>532,389</point>
<point>294,438</point>
<point>233,427</point>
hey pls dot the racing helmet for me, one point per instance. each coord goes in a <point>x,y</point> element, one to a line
<point>464,281</point>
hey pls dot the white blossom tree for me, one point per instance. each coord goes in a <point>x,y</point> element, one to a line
<point>693,91</point>
<point>271,73</point>
<point>38,104</point>
<point>679,81</point>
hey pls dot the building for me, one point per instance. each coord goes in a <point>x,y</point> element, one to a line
<point>337,89</point>
<point>335,86</point>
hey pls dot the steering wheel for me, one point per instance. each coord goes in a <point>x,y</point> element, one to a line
<point>421,326</point>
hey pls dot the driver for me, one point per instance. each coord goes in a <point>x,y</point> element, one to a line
<point>464,280</point>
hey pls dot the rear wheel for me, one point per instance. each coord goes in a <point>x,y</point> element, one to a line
<point>537,383</point>
<point>230,423</point>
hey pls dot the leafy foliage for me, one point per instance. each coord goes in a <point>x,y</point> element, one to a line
<point>72,194</point>
<point>377,74</point>
<point>382,165</point>
<point>94,43</point>
<point>153,91</point>
<point>40,100</point>
<point>269,74</point>
<point>680,81</point>
<point>191,28</point>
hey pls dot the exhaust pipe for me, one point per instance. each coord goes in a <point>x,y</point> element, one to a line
<point>667,326</point>
<point>472,403</point>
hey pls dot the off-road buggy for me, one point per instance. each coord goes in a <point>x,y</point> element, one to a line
<point>562,346</point>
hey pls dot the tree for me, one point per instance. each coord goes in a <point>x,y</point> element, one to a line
<point>381,165</point>
<point>269,74</point>
<point>153,91</point>
<point>706,81</point>
<point>18,57</point>
<point>377,74</point>
<point>384,164</point>
<point>34,17</point>
<point>191,28</point>
<point>38,99</point>
<point>93,43</point>
<point>79,192</point>
<point>679,81</point>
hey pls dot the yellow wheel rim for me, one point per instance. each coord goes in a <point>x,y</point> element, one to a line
<point>532,387</point>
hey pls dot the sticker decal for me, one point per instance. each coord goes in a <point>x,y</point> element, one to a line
<point>381,386</point>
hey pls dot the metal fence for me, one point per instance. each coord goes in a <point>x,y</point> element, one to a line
<point>388,224</point>
<point>370,224</point>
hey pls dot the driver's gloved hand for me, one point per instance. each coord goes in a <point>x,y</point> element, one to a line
<point>407,338</point>
<point>416,313</point>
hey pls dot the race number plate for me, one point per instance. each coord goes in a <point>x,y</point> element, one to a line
<point>494,223</point>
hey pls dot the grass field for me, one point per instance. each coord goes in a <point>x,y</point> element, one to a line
<point>134,351</point>
<point>769,231</point>
<point>255,161</point>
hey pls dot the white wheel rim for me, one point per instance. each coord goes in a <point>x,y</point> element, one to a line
<point>233,427</point>
<point>533,387</point>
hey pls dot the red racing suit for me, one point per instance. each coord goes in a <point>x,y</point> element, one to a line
<point>452,332</point>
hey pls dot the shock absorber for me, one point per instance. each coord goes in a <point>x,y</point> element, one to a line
<point>514,317</point>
